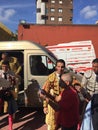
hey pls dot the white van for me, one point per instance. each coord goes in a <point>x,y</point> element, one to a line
<point>77,55</point>
<point>32,75</point>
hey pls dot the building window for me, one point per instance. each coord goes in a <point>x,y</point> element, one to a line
<point>44,17</point>
<point>38,10</point>
<point>52,18</point>
<point>60,10</point>
<point>60,19</point>
<point>71,1</point>
<point>71,10</point>
<point>46,11</point>
<point>70,18</point>
<point>52,1</point>
<point>44,0</point>
<point>60,1</point>
<point>52,10</point>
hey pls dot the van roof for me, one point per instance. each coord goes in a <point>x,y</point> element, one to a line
<point>19,45</point>
<point>24,45</point>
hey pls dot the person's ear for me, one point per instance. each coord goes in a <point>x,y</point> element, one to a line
<point>67,82</point>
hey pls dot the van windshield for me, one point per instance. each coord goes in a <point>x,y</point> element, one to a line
<point>52,55</point>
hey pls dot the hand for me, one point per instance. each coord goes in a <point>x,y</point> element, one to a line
<point>58,98</point>
<point>78,88</point>
<point>42,96</point>
<point>45,110</point>
<point>86,100</point>
<point>1,88</point>
<point>47,99</point>
<point>7,93</point>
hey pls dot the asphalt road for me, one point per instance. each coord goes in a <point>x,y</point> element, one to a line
<point>26,119</point>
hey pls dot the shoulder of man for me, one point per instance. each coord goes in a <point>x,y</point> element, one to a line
<point>1,61</point>
<point>52,77</point>
<point>1,71</point>
<point>13,59</point>
<point>11,73</point>
<point>88,74</point>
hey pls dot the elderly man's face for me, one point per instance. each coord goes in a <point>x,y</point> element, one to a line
<point>66,78</point>
<point>95,67</point>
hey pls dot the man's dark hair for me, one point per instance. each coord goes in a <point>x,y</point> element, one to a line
<point>60,61</point>
<point>77,84</point>
<point>95,60</point>
<point>5,63</point>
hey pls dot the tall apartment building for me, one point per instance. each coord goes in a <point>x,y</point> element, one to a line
<point>54,11</point>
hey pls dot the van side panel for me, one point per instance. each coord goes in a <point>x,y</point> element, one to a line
<point>31,81</point>
<point>77,55</point>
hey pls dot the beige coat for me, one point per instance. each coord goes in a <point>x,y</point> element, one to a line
<point>89,82</point>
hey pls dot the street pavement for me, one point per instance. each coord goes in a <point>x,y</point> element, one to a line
<point>26,119</point>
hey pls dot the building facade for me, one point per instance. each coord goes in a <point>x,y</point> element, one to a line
<point>48,35</point>
<point>54,11</point>
<point>6,34</point>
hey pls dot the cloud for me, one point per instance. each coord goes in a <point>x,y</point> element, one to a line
<point>17,6</point>
<point>7,11</point>
<point>6,14</point>
<point>89,12</point>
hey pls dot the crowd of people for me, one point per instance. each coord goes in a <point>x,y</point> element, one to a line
<point>67,104</point>
<point>78,103</point>
<point>9,73</point>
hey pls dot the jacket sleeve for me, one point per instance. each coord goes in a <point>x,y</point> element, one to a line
<point>87,121</point>
<point>84,82</point>
<point>46,87</point>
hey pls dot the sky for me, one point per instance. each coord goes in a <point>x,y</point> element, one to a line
<point>13,11</point>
